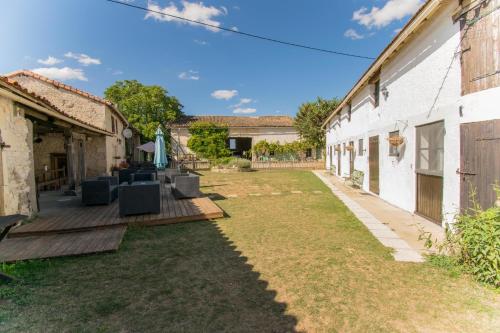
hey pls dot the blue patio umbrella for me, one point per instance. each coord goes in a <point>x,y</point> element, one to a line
<point>160,152</point>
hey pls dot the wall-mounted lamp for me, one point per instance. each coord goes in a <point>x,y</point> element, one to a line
<point>385,92</point>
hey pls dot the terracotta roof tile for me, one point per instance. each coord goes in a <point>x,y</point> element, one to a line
<point>234,121</point>
<point>61,85</point>
<point>45,102</point>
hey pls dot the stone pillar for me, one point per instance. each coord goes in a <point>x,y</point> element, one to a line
<point>68,144</point>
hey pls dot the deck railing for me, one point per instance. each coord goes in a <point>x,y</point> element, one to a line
<point>54,178</point>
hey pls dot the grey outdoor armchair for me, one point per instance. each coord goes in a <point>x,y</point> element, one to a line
<point>186,186</point>
<point>100,191</point>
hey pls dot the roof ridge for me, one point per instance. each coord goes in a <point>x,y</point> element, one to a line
<point>45,101</point>
<point>59,84</point>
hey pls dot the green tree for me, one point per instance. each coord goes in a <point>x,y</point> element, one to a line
<point>311,117</point>
<point>146,107</point>
<point>209,140</point>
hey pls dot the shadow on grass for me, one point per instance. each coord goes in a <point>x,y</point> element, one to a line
<point>184,277</point>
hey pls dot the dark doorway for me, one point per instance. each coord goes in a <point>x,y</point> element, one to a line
<point>240,147</point>
<point>479,163</point>
<point>373,161</point>
<point>339,161</point>
<point>351,158</point>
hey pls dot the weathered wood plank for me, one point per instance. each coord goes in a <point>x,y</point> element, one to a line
<point>65,244</point>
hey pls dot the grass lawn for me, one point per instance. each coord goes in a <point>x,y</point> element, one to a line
<point>279,262</point>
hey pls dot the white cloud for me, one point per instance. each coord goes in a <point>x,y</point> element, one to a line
<point>62,74</point>
<point>50,61</point>
<point>242,102</point>
<point>224,94</point>
<point>235,29</point>
<point>201,42</point>
<point>189,75</point>
<point>83,59</point>
<point>117,72</point>
<point>244,110</point>
<point>380,17</point>
<point>190,10</point>
<point>353,34</point>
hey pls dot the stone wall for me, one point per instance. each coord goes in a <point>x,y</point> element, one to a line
<point>115,144</point>
<point>95,156</point>
<point>17,184</point>
<point>52,143</point>
<point>78,106</point>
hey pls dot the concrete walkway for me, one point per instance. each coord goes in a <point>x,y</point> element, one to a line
<point>392,226</point>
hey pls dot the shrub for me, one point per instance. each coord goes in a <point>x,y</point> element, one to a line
<point>242,163</point>
<point>233,162</point>
<point>209,140</point>
<point>478,238</point>
<point>474,243</point>
<point>357,178</point>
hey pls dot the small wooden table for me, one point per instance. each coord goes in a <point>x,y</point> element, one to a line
<point>6,223</point>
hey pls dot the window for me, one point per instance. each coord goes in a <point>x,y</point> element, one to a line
<point>393,150</point>
<point>430,149</point>
<point>232,144</point>
<point>376,93</point>
<point>349,111</point>
<point>308,152</point>
<point>344,148</point>
<point>113,124</point>
<point>360,147</point>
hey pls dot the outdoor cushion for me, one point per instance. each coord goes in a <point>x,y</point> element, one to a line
<point>186,186</point>
<point>142,177</point>
<point>171,173</point>
<point>124,174</point>
<point>139,198</point>
<point>99,191</point>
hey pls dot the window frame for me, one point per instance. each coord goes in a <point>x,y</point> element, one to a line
<point>418,149</point>
<point>361,147</point>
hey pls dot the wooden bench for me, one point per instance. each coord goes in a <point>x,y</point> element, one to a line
<point>6,223</point>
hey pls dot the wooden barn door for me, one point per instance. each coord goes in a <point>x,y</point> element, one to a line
<point>429,167</point>
<point>339,161</point>
<point>373,162</point>
<point>351,158</point>
<point>479,162</point>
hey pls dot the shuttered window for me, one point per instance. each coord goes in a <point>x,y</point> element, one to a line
<point>430,149</point>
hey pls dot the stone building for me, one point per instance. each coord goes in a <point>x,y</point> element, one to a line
<point>53,136</point>
<point>244,132</point>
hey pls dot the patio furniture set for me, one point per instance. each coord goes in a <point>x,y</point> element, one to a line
<point>138,190</point>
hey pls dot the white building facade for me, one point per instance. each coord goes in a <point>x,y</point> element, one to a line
<point>415,93</point>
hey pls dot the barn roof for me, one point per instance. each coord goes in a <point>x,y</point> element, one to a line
<point>235,121</point>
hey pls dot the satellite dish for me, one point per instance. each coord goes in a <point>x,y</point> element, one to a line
<point>127,133</point>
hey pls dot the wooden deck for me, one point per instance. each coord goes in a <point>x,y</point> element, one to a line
<point>60,245</point>
<point>95,217</point>
<point>78,229</point>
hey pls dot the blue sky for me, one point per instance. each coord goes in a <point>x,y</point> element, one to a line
<point>91,44</point>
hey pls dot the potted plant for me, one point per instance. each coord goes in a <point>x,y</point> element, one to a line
<point>396,140</point>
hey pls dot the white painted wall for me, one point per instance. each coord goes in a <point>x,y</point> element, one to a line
<point>424,85</point>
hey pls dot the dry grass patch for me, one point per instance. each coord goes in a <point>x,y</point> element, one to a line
<point>278,263</point>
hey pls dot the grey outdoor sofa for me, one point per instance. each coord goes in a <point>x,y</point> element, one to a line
<point>139,198</point>
<point>100,191</point>
<point>186,186</point>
